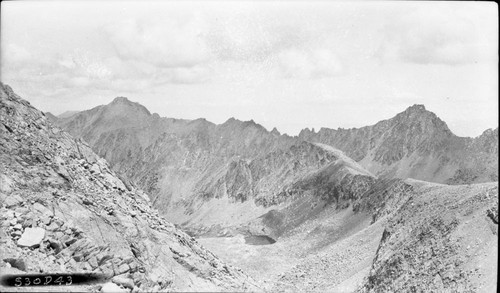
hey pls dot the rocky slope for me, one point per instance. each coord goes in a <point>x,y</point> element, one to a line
<point>443,239</point>
<point>64,210</point>
<point>416,144</point>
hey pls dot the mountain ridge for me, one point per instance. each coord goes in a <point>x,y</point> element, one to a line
<point>413,108</point>
<point>377,147</point>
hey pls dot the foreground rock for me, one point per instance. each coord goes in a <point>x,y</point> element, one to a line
<point>32,237</point>
<point>113,288</point>
<point>63,209</point>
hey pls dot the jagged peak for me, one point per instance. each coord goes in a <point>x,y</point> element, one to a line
<point>489,131</point>
<point>250,122</point>
<point>417,108</point>
<point>231,120</point>
<point>306,131</point>
<point>123,101</point>
<point>200,122</point>
<point>275,131</point>
<point>417,111</point>
<point>418,114</point>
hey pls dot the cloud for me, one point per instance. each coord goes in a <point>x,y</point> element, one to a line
<point>160,50</point>
<point>83,64</point>
<point>196,74</point>
<point>308,63</point>
<point>14,53</point>
<point>450,35</point>
<point>168,43</point>
<point>253,36</point>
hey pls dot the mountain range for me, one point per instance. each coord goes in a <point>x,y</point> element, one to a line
<point>188,205</point>
<point>194,169</point>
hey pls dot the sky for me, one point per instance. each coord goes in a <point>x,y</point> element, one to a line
<point>284,64</point>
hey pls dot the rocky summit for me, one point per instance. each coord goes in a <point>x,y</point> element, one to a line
<point>65,210</point>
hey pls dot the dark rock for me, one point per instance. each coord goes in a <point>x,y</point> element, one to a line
<point>56,245</point>
<point>16,263</point>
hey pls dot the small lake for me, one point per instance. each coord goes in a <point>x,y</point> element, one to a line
<point>259,240</point>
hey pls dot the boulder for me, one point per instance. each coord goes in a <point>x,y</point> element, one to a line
<point>13,200</point>
<point>95,169</point>
<point>56,245</point>
<point>6,183</point>
<point>32,237</point>
<point>113,288</point>
<point>16,263</point>
<point>123,281</point>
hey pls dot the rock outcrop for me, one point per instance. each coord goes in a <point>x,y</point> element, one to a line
<point>64,210</point>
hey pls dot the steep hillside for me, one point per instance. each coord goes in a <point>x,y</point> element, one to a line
<point>64,210</point>
<point>444,238</point>
<point>416,144</point>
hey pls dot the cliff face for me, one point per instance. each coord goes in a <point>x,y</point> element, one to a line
<point>66,204</point>
<point>416,144</point>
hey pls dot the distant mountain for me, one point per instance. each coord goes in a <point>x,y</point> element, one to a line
<point>65,211</point>
<point>67,114</point>
<point>416,144</point>
<point>50,116</point>
<point>202,174</point>
<point>167,156</point>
